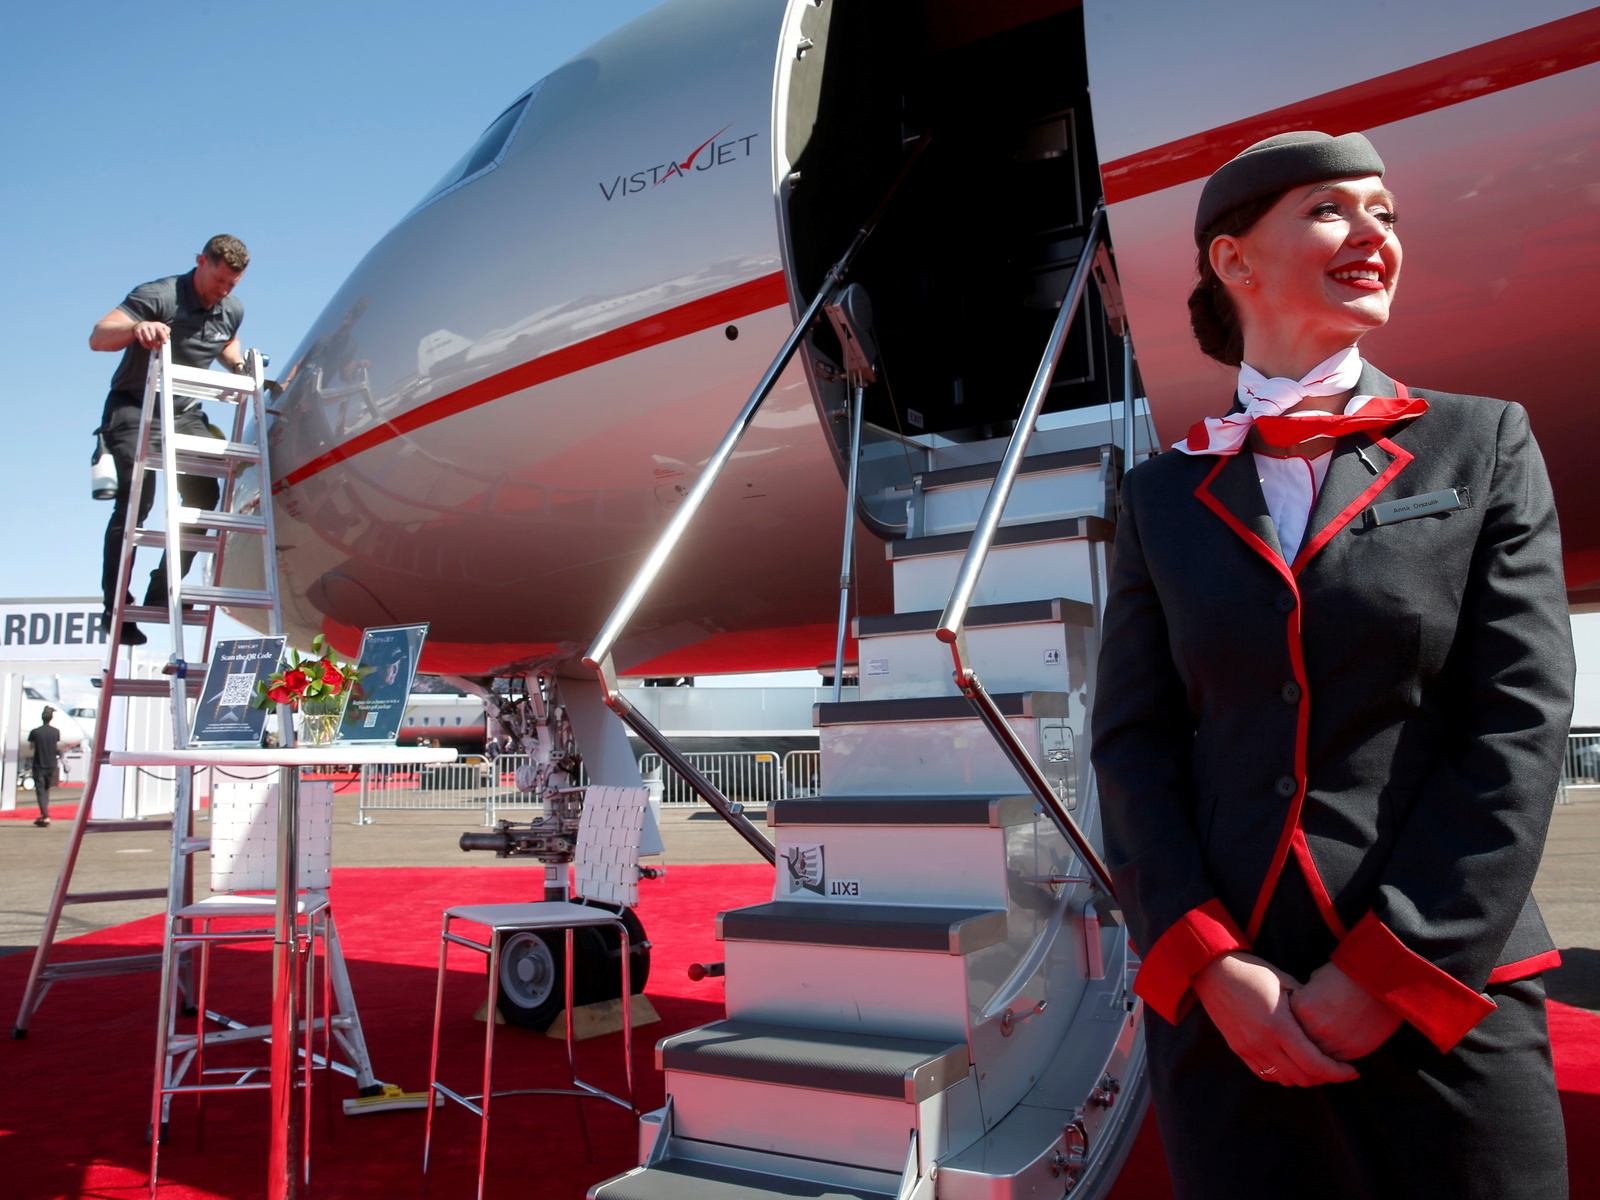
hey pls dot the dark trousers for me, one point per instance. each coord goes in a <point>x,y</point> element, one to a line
<point>121,432</point>
<point>1482,1122</point>
<point>42,781</point>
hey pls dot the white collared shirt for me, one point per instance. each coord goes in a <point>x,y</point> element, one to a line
<point>1290,486</point>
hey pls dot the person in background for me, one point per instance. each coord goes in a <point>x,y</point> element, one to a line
<point>198,315</point>
<point>46,743</point>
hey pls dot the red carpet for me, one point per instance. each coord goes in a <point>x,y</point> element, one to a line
<point>63,804</point>
<point>74,1095</point>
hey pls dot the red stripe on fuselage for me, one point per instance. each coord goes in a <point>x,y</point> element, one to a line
<point>769,291</point>
<point>1506,62</point>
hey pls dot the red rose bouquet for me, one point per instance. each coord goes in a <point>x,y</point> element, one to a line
<point>318,684</point>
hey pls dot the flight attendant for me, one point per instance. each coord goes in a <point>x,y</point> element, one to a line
<point>1339,679</point>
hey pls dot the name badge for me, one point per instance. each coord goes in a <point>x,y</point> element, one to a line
<point>1426,505</point>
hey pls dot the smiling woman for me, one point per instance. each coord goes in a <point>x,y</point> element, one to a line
<point>1344,677</point>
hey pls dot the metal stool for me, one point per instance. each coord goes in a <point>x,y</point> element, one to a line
<point>501,919</point>
<point>242,856</point>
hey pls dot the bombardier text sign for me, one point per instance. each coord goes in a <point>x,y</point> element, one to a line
<point>50,630</point>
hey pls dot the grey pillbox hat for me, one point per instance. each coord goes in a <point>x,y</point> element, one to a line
<point>1280,163</point>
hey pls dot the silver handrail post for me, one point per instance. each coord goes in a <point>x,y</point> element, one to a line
<point>599,659</point>
<point>847,563</point>
<point>953,621</point>
<point>1127,400</point>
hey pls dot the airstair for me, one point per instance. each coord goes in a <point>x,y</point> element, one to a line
<point>937,1001</point>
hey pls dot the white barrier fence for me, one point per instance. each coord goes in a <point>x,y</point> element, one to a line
<point>749,777</point>
<point>1581,767</point>
<point>743,776</point>
<point>478,785</point>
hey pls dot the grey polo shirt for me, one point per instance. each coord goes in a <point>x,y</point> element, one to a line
<point>198,334</point>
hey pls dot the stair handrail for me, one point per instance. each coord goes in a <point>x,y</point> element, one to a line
<point>599,658</point>
<point>952,622</point>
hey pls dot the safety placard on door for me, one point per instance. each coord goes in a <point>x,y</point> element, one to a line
<point>803,870</point>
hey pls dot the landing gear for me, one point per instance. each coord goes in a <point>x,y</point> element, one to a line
<point>533,970</point>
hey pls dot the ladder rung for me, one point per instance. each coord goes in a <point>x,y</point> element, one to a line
<point>230,522</point>
<point>194,464</point>
<point>151,614</point>
<point>229,597</point>
<point>108,897</point>
<point>215,448</point>
<point>200,543</point>
<point>210,385</point>
<point>161,826</point>
<point>89,968</point>
<point>160,689</point>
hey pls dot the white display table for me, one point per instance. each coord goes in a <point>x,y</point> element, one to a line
<point>299,756</point>
<point>282,1178</point>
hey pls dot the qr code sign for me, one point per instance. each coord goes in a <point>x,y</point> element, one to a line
<point>236,689</point>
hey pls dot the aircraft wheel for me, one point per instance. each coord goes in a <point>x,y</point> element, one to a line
<point>532,978</point>
<point>533,970</point>
<point>604,981</point>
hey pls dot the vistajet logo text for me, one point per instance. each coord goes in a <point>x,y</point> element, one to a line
<point>707,156</point>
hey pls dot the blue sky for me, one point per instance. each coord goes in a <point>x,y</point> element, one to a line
<point>305,129</point>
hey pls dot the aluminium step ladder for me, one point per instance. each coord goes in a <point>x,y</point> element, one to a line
<point>242,512</point>
<point>169,389</point>
<point>930,1006</point>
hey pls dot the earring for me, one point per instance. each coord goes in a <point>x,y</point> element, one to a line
<point>1247,283</point>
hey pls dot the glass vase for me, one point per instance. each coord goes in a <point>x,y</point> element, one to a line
<point>317,728</point>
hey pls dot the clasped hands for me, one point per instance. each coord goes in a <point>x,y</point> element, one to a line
<point>1299,1035</point>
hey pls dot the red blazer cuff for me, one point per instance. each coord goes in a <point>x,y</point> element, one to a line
<point>1524,967</point>
<point>1191,942</point>
<point>1442,1007</point>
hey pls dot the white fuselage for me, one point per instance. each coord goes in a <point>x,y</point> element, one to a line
<point>497,413</point>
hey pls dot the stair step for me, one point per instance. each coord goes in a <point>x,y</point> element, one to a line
<point>1060,460</point>
<point>1022,612</point>
<point>686,1179</point>
<point>893,1068</point>
<point>939,930</point>
<point>1094,529</point>
<point>986,812</point>
<point>935,708</point>
<point>156,614</point>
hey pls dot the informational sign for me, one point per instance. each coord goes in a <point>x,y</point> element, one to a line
<point>388,664</point>
<point>225,716</point>
<point>51,630</point>
<point>803,870</point>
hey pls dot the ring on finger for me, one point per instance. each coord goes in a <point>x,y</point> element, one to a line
<point>1268,1071</point>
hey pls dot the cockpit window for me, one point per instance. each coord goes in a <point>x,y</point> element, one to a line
<point>487,151</point>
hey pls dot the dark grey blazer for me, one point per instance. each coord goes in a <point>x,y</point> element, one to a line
<point>1383,723</point>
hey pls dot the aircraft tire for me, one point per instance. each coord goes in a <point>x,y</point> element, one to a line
<point>532,989</point>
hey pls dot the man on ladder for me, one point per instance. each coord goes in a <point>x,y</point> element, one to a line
<point>198,314</point>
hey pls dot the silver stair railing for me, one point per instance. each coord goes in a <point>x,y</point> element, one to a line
<point>953,621</point>
<point>599,658</point>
